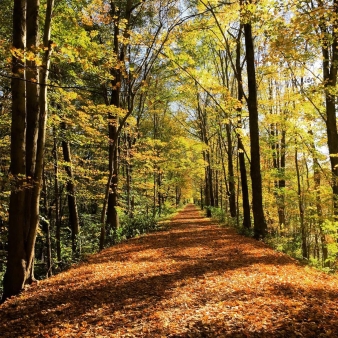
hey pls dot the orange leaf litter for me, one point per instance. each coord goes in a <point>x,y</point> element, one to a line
<point>196,279</point>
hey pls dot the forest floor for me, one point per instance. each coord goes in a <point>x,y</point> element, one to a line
<point>195,279</point>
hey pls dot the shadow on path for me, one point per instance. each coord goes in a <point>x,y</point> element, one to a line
<point>194,280</point>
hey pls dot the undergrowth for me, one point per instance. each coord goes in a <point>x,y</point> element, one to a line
<point>289,243</point>
<point>88,239</point>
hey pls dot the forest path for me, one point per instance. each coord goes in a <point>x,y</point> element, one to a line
<point>196,279</point>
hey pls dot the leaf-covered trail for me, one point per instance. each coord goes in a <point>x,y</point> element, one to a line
<point>194,280</point>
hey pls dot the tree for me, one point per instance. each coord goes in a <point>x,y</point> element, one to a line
<point>260,226</point>
<point>27,147</point>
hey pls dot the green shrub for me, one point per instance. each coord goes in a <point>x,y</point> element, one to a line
<point>133,226</point>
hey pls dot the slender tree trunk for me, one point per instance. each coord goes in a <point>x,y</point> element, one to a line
<point>57,201</point>
<point>210,180</point>
<point>241,151</point>
<point>260,226</point>
<point>176,197</point>
<point>128,145</point>
<point>46,223</point>
<point>103,214</point>
<point>43,110</point>
<point>281,182</point>
<point>159,194</point>
<point>244,185</point>
<point>317,179</point>
<point>209,198</point>
<point>154,193</point>
<point>49,251</point>
<point>221,143</point>
<point>32,91</point>
<point>301,210</point>
<point>74,221</point>
<point>208,188</point>
<point>221,193</point>
<point>112,215</point>
<point>231,180</point>
<point>325,253</point>
<point>216,189</point>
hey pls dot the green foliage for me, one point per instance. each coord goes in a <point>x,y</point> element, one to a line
<point>330,229</point>
<point>244,231</point>
<point>290,245</point>
<point>89,234</point>
<point>218,214</point>
<point>167,209</point>
<point>133,226</point>
<point>226,220</point>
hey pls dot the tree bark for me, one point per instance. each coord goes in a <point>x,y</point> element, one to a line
<point>241,150</point>
<point>33,172</point>
<point>32,89</point>
<point>74,221</point>
<point>260,226</point>
<point>209,197</point>
<point>57,201</point>
<point>281,182</point>
<point>317,179</point>
<point>330,68</point>
<point>112,215</point>
<point>27,150</point>
<point>47,210</point>
<point>15,275</point>
<point>34,178</point>
<point>305,253</point>
<point>231,180</point>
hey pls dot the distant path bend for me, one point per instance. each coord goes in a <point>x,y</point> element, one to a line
<point>195,279</point>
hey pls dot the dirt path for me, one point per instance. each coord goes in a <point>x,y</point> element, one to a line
<point>194,280</point>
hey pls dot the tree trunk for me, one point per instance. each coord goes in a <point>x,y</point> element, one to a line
<point>159,194</point>
<point>32,90</point>
<point>27,150</point>
<point>231,180</point>
<point>281,182</point>
<point>260,226</point>
<point>317,179</point>
<point>57,201</point>
<point>244,185</point>
<point>208,187</point>
<point>305,253</point>
<point>241,150</point>
<point>216,197</point>
<point>103,215</point>
<point>34,179</point>
<point>112,215</point>
<point>15,276</point>
<point>129,170</point>
<point>43,108</point>
<point>330,68</point>
<point>221,144</point>
<point>74,221</point>
<point>209,198</point>
<point>48,213</point>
